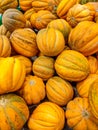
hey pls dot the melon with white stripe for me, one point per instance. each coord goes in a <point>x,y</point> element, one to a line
<point>13,112</point>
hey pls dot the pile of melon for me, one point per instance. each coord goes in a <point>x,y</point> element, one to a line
<point>49,65</point>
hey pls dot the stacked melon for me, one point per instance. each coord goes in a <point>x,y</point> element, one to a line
<point>49,65</point>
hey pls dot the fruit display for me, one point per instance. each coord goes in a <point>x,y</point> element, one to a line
<point>49,65</point>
